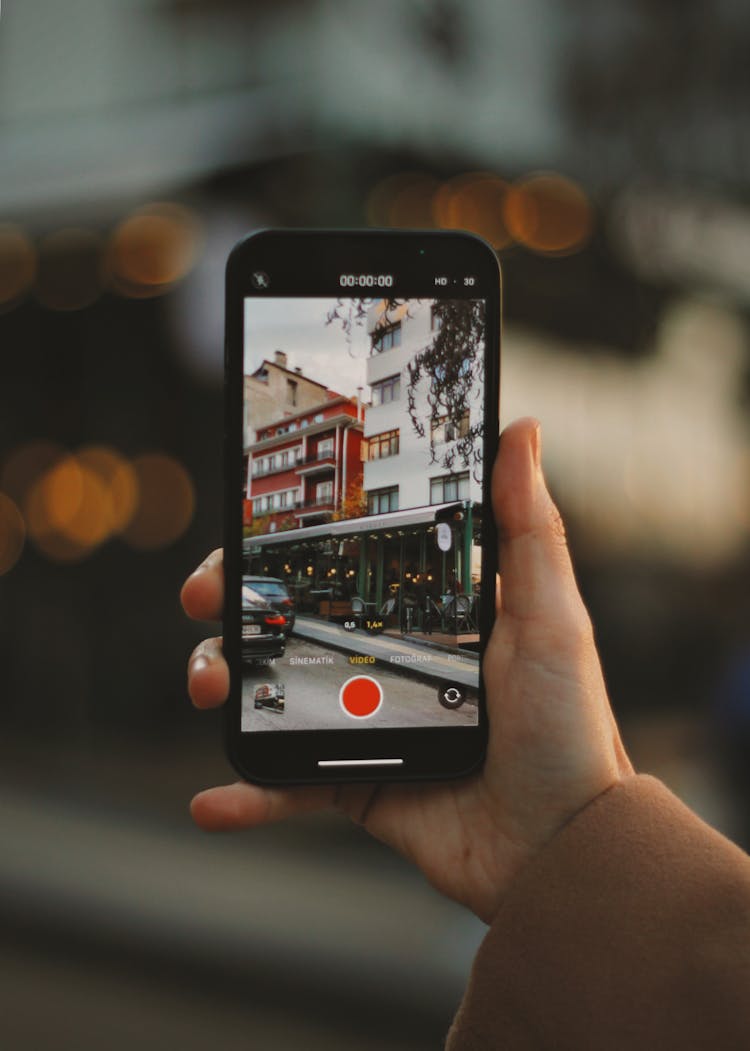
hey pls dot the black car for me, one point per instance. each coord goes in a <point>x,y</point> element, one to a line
<point>276,593</point>
<point>264,629</point>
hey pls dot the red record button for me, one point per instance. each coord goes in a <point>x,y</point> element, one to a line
<point>361,696</point>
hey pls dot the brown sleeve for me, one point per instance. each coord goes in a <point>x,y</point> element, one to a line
<point>631,929</point>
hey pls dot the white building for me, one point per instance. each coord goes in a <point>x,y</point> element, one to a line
<point>398,471</point>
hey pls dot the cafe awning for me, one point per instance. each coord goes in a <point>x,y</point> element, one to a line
<point>368,524</point>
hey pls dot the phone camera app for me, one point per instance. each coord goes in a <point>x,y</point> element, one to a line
<point>362,481</point>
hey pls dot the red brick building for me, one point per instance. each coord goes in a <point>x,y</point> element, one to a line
<point>301,467</point>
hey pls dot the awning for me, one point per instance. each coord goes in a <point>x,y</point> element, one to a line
<point>386,523</point>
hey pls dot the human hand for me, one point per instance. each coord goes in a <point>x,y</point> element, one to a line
<point>553,742</point>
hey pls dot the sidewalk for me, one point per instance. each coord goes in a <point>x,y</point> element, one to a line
<point>432,663</point>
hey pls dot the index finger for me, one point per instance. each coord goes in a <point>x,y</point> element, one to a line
<point>202,593</point>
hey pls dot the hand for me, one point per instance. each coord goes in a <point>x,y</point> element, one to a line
<point>553,746</point>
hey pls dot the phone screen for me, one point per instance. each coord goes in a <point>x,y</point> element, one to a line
<point>362,495</point>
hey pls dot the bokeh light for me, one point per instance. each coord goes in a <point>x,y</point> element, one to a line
<point>166,502</point>
<point>18,264</point>
<point>474,201</point>
<point>120,480</point>
<point>12,533</point>
<point>64,511</point>
<point>77,503</point>
<point>403,199</point>
<point>153,249</point>
<point>74,502</point>
<point>548,213</point>
<point>70,269</point>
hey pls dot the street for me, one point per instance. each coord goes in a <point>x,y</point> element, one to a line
<point>313,675</point>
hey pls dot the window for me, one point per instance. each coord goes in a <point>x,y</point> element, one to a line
<point>381,501</point>
<point>446,430</point>
<point>449,487</point>
<point>382,445</point>
<point>324,493</point>
<point>386,338</point>
<point>436,319</point>
<point>318,417</point>
<point>325,448</point>
<point>387,390</point>
<point>293,426</point>
<point>291,392</point>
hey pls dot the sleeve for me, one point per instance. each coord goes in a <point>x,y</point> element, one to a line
<point>630,929</point>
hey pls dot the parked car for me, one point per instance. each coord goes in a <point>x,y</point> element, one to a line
<point>264,629</point>
<point>275,592</point>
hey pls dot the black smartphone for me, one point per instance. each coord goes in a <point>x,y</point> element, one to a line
<point>362,387</point>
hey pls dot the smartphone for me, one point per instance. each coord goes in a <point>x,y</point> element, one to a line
<point>362,388</point>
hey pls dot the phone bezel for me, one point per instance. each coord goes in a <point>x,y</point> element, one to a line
<point>305,263</point>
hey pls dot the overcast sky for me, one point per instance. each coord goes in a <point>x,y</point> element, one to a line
<point>298,327</point>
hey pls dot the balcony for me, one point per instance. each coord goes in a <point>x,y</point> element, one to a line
<point>315,505</point>
<point>263,472</point>
<point>316,462</point>
<point>267,512</point>
<point>319,454</point>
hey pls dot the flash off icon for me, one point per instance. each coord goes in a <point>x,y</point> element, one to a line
<point>260,279</point>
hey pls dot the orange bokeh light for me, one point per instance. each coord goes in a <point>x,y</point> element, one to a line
<point>153,248</point>
<point>73,502</point>
<point>166,502</point>
<point>120,480</point>
<point>474,201</point>
<point>548,213</point>
<point>67,510</point>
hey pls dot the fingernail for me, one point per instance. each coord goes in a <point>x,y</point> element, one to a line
<point>536,445</point>
<point>198,664</point>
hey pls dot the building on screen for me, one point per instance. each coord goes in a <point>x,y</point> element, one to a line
<point>399,470</point>
<point>302,467</point>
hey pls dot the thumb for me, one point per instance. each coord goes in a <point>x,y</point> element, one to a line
<point>537,576</point>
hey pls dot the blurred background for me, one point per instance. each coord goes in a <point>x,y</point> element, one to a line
<point>603,149</point>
